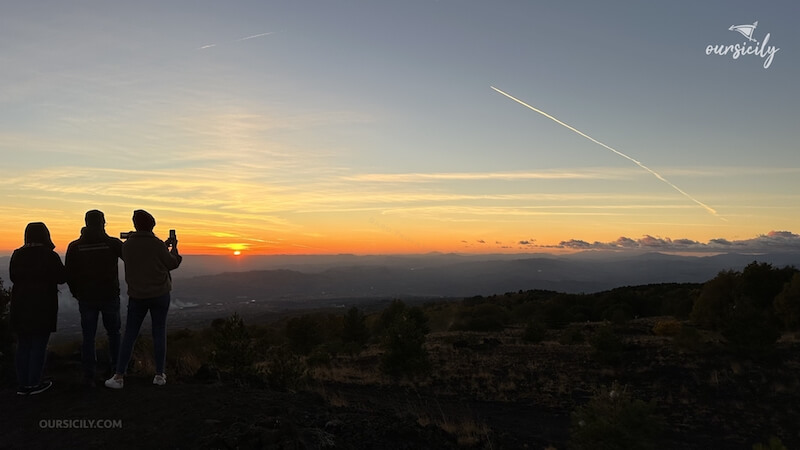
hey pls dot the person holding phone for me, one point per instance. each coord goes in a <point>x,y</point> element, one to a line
<point>148,262</point>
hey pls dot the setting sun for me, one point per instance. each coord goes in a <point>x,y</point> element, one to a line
<point>237,253</point>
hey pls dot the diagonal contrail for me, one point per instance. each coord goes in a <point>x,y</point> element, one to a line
<point>655,174</point>
<point>255,36</point>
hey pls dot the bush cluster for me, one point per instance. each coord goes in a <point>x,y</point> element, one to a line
<point>402,330</point>
<point>613,419</point>
<point>750,308</point>
<point>667,328</point>
<point>6,338</point>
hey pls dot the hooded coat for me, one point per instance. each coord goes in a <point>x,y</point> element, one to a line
<point>35,271</point>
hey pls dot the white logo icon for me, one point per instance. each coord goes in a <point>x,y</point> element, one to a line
<point>746,30</point>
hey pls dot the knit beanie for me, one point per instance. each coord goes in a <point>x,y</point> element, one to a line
<point>143,221</point>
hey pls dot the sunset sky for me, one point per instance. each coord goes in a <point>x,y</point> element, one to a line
<point>371,126</point>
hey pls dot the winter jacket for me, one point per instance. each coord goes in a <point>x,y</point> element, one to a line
<point>35,271</point>
<point>147,265</point>
<point>92,266</point>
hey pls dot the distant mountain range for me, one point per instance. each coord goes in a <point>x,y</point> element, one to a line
<point>281,278</point>
<point>446,275</point>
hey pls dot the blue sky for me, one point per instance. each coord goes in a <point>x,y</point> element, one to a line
<point>328,126</point>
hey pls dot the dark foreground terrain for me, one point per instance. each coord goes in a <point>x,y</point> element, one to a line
<point>486,390</point>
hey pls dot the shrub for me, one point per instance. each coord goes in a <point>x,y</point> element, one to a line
<point>607,345</point>
<point>787,304</point>
<point>535,332</point>
<point>772,444</point>
<point>688,339</point>
<point>284,369</point>
<point>233,349</point>
<point>6,339</point>
<point>571,336</point>
<point>403,340</point>
<point>716,302</point>
<point>750,330</point>
<point>354,329</point>
<point>667,328</point>
<point>614,419</point>
<point>483,317</point>
<point>304,333</point>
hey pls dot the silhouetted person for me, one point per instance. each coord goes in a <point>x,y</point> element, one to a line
<point>148,261</point>
<point>93,278</point>
<point>35,271</point>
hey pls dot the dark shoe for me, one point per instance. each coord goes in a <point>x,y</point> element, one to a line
<point>24,390</point>
<point>89,383</point>
<point>43,386</point>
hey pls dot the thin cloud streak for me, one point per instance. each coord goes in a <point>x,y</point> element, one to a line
<point>469,176</point>
<point>255,36</point>
<point>246,38</point>
<point>651,171</point>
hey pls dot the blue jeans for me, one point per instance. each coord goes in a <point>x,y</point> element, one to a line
<point>137,310</point>
<point>111,322</point>
<point>31,358</point>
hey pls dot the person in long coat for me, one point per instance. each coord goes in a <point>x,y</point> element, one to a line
<point>36,271</point>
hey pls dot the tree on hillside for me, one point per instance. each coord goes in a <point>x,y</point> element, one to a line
<point>233,350</point>
<point>787,304</point>
<point>354,329</point>
<point>6,346</point>
<point>761,283</point>
<point>740,305</point>
<point>304,333</point>
<point>717,300</point>
<point>403,339</point>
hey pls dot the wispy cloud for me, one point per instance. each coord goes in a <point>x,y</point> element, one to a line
<point>423,177</point>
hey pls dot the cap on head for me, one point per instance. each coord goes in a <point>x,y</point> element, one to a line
<point>95,219</point>
<point>37,233</point>
<point>143,220</point>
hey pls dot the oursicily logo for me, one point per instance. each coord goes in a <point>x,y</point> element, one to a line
<point>750,47</point>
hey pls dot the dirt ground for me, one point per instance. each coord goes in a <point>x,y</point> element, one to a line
<point>496,393</point>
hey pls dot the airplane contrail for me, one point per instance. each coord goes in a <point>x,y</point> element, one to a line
<point>239,40</point>
<point>256,36</point>
<point>653,172</point>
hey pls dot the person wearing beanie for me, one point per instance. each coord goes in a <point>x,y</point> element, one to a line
<point>92,264</point>
<point>148,262</point>
<point>35,271</point>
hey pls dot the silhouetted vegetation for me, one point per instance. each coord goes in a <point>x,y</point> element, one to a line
<point>787,304</point>
<point>6,338</point>
<point>233,351</point>
<point>676,344</point>
<point>354,329</point>
<point>743,306</point>
<point>613,419</point>
<point>402,331</point>
<point>772,444</point>
<point>607,345</point>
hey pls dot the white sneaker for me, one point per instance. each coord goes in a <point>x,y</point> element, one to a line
<point>115,383</point>
<point>160,379</point>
